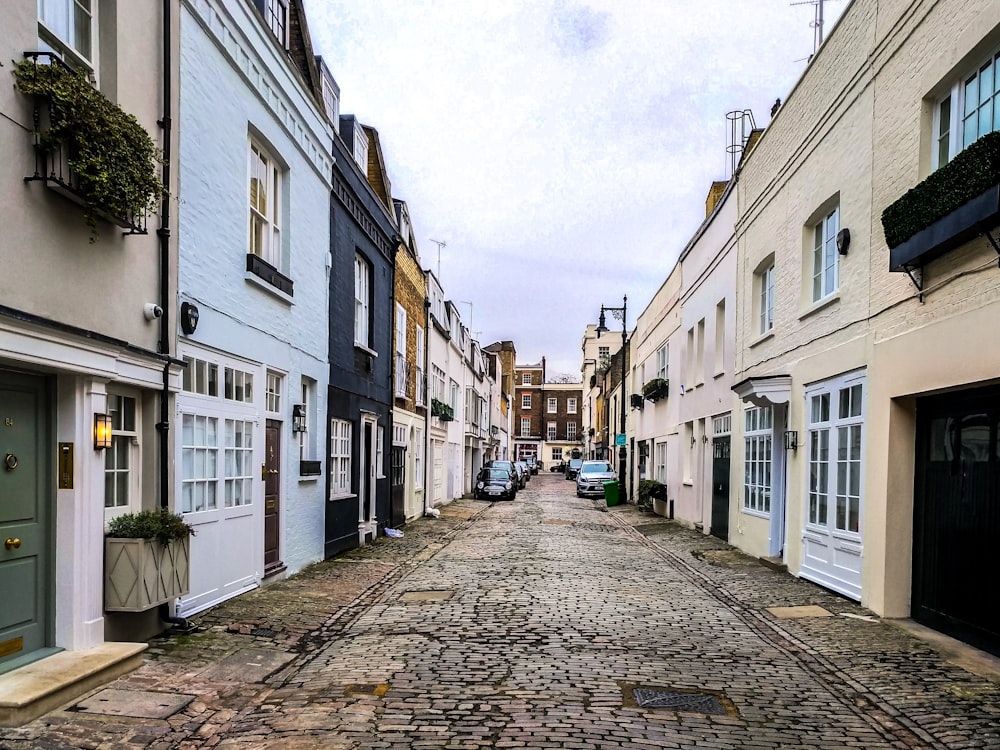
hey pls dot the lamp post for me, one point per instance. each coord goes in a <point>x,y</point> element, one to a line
<point>619,313</point>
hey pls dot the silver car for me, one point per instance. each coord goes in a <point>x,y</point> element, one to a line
<point>592,476</point>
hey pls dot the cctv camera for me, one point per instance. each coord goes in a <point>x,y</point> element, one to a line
<point>152,311</point>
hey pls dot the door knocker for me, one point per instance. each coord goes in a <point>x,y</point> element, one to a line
<point>10,461</point>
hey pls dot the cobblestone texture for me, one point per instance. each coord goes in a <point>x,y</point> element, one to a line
<point>557,611</point>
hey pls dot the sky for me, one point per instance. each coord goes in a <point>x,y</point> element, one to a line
<point>562,150</point>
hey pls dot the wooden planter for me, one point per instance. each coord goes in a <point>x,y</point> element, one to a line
<point>140,574</point>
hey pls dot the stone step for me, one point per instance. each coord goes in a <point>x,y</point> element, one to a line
<point>37,688</point>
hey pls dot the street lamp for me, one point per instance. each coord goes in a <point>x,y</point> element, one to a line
<point>619,313</point>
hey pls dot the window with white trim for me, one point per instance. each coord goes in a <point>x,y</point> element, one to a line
<point>362,299</point>
<point>66,27</point>
<point>276,16</point>
<point>265,219</point>
<point>550,431</point>
<point>661,463</point>
<point>525,400</point>
<point>439,380</point>
<point>764,282</point>
<point>557,454</point>
<point>969,110</point>
<point>571,430</point>
<point>418,459</point>
<point>757,460</point>
<point>121,460</point>
<point>238,385</point>
<point>421,375</point>
<point>340,458</point>
<point>835,421</point>
<point>272,392</point>
<point>526,378</point>
<point>453,398</point>
<point>552,407</point>
<point>200,461</point>
<point>571,406</point>
<point>662,361</point>
<point>200,377</point>
<point>825,258</point>
<point>525,427</point>
<point>380,452</point>
<point>238,463</point>
<point>401,351</point>
<point>308,396</point>
<point>361,147</point>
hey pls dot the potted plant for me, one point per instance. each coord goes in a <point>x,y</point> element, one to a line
<point>655,389</point>
<point>146,560</point>
<point>111,162</point>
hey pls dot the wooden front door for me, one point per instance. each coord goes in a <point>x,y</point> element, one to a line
<point>24,539</point>
<point>720,487</point>
<point>272,496</point>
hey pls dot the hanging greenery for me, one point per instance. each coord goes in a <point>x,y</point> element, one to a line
<point>113,160</point>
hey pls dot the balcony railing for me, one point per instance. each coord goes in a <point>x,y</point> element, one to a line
<point>402,370</point>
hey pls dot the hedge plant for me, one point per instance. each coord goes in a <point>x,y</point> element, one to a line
<point>162,525</point>
<point>968,175</point>
<point>115,162</point>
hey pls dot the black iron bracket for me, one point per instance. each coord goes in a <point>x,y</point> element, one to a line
<point>918,281</point>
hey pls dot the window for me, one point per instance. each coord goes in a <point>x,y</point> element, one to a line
<point>272,392</point>
<point>571,430</point>
<point>662,361</point>
<point>525,400</point>
<point>720,337</point>
<point>362,293</point>
<point>238,385</point>
<point>825,256</point>
<point>835,420</point>
<point>603,353</point>
<point>970,110</point>
<point>380,452</point>
<point>552,407</point>
<point>525,427</point>
<point>200,377</point>
<point>757,460</point>
<point>571,406</point>
<point>265,188</point>
<point>526,378</point>
<point>699,357</point>
<point>361,147</point>
<point>765,298</point>
<point>340,458</point>
<point>238,467</point>
<point>661,463</point>
<point>401,369</point>
<point>200,458</point>
<point>453,398</point>
<point>557,454</point>
<point>305,433</point>
<point>421,375</point>
<point>276,16</point>
<point>67,28</point>
<point>418,459</point>
<point>331,97</point>
<point>550,431</point>
<point>438,391</point>
<point>120,465</point>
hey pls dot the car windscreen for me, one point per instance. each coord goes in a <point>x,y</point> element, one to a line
<point>501,474</point>
<point>589,468</point>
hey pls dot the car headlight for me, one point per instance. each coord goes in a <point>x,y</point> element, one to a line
<point>507,486</point>
<point>480,486</point>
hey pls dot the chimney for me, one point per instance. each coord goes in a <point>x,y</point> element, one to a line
<point>714,193</point>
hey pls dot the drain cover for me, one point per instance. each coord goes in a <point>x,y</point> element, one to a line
<point>704,703</point>
<point>139,704</point>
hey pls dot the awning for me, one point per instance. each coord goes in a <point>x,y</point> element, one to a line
<point>766,390</point>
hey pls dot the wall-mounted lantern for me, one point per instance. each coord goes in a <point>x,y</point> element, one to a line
<point>298,418</point>
<point>102,431</point>
<point>791,440</point>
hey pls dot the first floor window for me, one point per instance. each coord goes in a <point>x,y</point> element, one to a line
<point>340,457</point>
<point>550,431</point>
<point>119,462</point>
<point>305,427</point>
<point>571,406</point>
<point>765,282</point>
<point>66,27</point>
<point>825,256</point>
<point>757,460</point>
<point>362,285</point>
<point>525,400</point>
<point>970,110</point>
<point>835,421</point>
<point>265,187</point>
<point>551,408</point>
<point>571,430</point>
<point>525,427</point>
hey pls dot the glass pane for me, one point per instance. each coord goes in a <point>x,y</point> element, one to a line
<point>210,495</point>
<point>986,82</point>
<point>199,431</point>
<point>81,28</point>
<point>841,512</point>
<point>186,498</point>
<point>109,490</point>
<point>985,119</point>
<point>121,488</point>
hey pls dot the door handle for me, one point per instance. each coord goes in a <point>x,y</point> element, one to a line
<point>14,543</point>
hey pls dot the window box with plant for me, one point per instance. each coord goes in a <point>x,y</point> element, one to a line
<point>442,411</point>
<point>87,148</point>
<point>146,560</point>
<point>952,206</point>
<point>655,389</point>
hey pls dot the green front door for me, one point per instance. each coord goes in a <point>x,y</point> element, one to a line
<point>24,472</point>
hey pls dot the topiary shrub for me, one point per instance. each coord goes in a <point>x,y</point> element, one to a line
<point>162,525</point>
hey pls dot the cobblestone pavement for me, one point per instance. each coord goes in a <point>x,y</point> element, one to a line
<point>530,624</point>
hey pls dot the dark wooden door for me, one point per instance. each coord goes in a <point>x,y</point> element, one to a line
<point>397,485</point>
<point>957,515</point>
<point>720,487</point>
<point>24,538</point>
<point>272,496</point>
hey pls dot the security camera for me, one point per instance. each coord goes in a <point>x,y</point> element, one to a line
<point>152,311</point>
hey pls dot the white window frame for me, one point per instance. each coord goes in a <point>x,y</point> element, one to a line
<point>274,385</point>
<point>201,455</point>
<point>264,226</point>
<point>421,375</point>
<point>525,427</point>
<point>835,414</point>
<point>237,385</point>
<point>526,378</point>
<point>552,406</point>
<point>525,400</point>
<point>58,32</point>
<point>571,430</point>
<point>237,473</point>
<point>953,116</point>
<point>557,453</point>
<point>362,300</point>
<point>123,459</point>
<point>765,299</point>
<point>340,458</point>
<point>401,351</point>
<point>663,361</point>
<point>276,16</point>
<point>550,431</point>
<point>758,452</point>
<point>571,406</point>
<point>825,263</point>
<point>380,452</point>
<point>660,471</point>
<point>305,434</point>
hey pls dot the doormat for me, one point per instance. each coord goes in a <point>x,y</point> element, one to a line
<point>139,704</point>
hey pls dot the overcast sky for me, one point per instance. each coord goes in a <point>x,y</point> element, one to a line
<point>561,149</point>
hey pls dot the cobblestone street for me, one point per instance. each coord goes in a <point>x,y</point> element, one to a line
<point>539,623</point>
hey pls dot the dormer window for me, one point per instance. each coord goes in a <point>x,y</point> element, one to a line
<point>276,16</point>
<point>361,147</point>
<point>331,93</point>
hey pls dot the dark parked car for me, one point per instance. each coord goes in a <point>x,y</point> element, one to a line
<point>573,468</point>
<point>494,483</point>
<point>532,464</point>
<point>508,465</point>
<point>559,467</point>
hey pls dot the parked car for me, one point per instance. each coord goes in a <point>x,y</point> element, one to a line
<point>520,473</point>
<point>573,467</point>
<point>507,465</point>
<point>559,467</point>
<point>532,464</point>
<point>494,482</point>
<point>523,465</point>
<point>592,476</point>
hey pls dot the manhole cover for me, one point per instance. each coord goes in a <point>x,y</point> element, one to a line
<point>701,702</point>
<point>263,633</point>
<point>426,596</point>
<point>136,703</point>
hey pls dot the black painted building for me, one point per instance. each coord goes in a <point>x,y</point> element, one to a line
<point>363,237</point>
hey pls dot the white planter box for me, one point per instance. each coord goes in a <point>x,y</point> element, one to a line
<point>140,574</point>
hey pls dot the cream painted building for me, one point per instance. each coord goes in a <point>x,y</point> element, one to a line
<point>868,436</point>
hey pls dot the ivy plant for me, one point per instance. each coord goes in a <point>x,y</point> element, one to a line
<point>114,161</point>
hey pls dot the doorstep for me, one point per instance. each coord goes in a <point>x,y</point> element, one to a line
<point>43,685</point>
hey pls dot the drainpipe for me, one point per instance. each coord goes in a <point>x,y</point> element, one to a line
<point>427,411</point>
<point>166,304</point>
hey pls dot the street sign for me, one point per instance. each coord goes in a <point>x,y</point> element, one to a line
<point>619,441</point>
